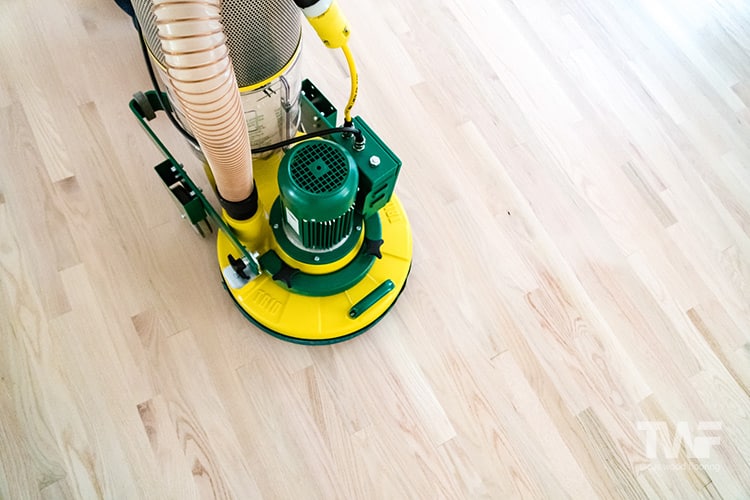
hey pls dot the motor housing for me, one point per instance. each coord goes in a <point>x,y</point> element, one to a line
<point>318,182</point>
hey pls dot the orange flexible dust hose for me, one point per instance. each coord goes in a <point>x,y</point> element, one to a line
<point>203,80</point>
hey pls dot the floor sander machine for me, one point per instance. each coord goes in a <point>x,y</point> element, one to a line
<point>313,245</point>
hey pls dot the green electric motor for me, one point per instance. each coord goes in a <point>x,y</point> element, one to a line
<point>318,182</point>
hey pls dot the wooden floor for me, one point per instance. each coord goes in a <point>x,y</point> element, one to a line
<point>577,174</point>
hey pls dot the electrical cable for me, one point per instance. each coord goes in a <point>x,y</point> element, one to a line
<point>311,135</point>
<point>355,84</point>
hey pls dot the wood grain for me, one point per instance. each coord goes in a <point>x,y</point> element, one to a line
<point>576,175</point>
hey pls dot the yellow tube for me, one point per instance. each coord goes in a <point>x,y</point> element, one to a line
<point>204,83</point>
<point>355,83</point>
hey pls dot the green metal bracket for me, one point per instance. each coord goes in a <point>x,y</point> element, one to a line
<point>189,196</point>
<point>186,199</point>
<point>317,111</point>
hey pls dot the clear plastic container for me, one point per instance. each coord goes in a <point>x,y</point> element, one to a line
<point>272,111</point>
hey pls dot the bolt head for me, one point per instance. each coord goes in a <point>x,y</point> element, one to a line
<point>374,161</point>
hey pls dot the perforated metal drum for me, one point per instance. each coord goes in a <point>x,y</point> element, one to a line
<point>262,35</point>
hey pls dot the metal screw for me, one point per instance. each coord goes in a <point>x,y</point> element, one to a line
<point>275,226</point>
<point>374,161</point>
<point>316,258</point>
<point>359,228</point>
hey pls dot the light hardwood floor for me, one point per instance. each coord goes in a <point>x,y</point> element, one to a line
<point>577,174</point>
